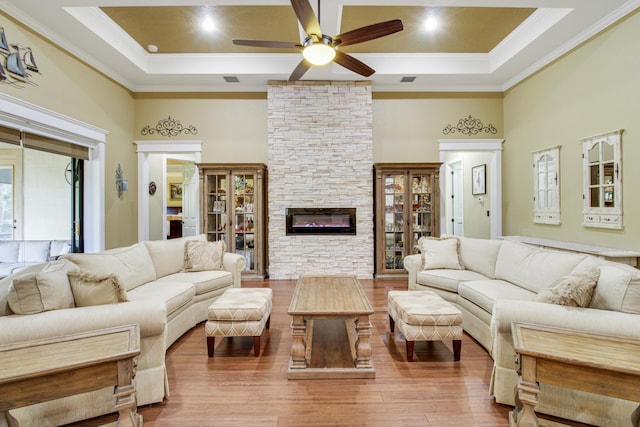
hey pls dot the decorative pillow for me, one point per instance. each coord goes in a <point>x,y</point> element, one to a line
<point>40,291</point>
<point>201,256</point>
<point>575,290</point>
<point>440,253</point>
<point>95,289</point>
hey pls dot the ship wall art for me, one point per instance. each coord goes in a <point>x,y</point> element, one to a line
<point>17,63</point>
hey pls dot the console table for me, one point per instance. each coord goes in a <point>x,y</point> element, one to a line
<point>618,255</point>
<point>37,371</point>
<point>589,362</point>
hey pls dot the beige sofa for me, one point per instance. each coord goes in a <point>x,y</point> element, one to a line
<point>499,285</point>
<point>164,300</point>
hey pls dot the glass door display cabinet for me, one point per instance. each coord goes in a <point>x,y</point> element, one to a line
<point>233,211</point>
<point>406,209</point>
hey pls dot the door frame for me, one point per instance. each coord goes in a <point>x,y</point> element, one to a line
<point>493,146</point>
<point>187,148</point>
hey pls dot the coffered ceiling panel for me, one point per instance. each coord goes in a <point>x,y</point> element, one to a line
<point>477,45</point>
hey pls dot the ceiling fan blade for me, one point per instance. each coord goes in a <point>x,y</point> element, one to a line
<point>369,32</point>
<point>306,16</point>
<point>353,64</point>
<point>266,43</point>
<point>302,68</point>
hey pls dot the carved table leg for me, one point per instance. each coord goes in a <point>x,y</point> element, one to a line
<point>363,343</point>
<point>125,394</point>
<point>527,392</point>
<point>298,346</point>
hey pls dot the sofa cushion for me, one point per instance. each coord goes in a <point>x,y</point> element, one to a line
<point>176,295</point>
<point>532,268</point>
<point>484,293</point>
<point>131,264</point>
<point>480,255</point>
<point>168,255</point>
<point>91,288</point>
<point>9,250</point>
<point>34,251</point>
<point>203,256</point>
<point>204,281</point>
<point>618,289</point>
<point>440,253</point>
<point>44,290</point>
<point>575,290</point>
<point>446,279</point>
<point>59,247</point>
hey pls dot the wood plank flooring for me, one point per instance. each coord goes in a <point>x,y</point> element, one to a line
<point>234,388</point>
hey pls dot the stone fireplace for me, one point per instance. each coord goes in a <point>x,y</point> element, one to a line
<point>320,154</point>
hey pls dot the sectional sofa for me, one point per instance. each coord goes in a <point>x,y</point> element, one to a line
<point>162,298</point>
<point>497,282</point>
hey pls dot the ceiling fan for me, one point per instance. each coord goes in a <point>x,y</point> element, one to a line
<point>320,49</point>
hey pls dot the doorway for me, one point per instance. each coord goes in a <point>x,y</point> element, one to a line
<point>152,171</point>
<point>479,211</point>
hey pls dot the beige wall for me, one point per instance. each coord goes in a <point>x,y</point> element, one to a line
<point>408,129</point>
<point>590,91</point>
<point>69,87</point>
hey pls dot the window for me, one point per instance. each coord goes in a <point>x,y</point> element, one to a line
<point>602,160</point>
<point>546,186</point>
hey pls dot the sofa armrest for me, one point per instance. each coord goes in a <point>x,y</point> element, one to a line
<point>150,315</point>
<point>590,320</point>
<point>234,263</point>
<point>413,263</point>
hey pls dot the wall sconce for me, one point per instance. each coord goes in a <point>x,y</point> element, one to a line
<point>121,184</point>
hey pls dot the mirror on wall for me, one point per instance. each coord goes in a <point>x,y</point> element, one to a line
<point>602,193</point>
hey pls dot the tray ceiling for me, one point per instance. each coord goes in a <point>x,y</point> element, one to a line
<point>482,45</point>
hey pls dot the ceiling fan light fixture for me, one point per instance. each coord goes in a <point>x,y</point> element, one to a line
<point>318,51</point>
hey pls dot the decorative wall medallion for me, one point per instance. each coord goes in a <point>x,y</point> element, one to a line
<point>469,126</point>
<point>152,188</point>
<point>169,127</point>
<point>18,63</point>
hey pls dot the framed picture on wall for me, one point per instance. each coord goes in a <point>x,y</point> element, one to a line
<point>479,177</point>
<point>175,192</point>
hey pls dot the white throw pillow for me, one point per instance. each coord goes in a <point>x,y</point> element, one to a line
<point>203,256</point>
<point>44,290</point>
<point>96,289</point>
<point>440,253</point>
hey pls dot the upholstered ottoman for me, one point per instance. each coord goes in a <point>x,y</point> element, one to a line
<point>239,312</point>
<point>425,316</point>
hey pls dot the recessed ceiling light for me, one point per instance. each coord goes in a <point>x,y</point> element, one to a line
<point>431,23</point>
<point>208,24</point>
<point>152,48</point>
<point>408,79</point>
<point>231,79</point>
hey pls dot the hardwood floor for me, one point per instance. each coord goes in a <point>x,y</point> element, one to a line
<point>234,388</point>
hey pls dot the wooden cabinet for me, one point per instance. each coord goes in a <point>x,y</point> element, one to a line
<point>233,207</point>
<point>406,208</point>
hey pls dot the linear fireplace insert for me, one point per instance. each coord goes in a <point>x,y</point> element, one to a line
<point>321,221</point>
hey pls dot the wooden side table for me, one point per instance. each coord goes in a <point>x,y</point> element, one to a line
<point>589,362</point>
<point>37,371</point>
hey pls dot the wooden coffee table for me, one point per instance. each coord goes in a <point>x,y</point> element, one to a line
<point>589,362</point>
<point>330,329</point>
<point>72,364</point>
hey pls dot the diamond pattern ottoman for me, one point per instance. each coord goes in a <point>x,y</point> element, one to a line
<point>425,316</point>
<point>239,312</point>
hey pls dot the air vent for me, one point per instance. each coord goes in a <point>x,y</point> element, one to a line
<point>231,79</point>
<point>408,79</point>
